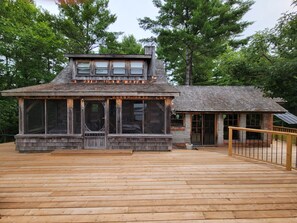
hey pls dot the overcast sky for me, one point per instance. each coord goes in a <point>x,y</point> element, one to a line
<point>264,14</point>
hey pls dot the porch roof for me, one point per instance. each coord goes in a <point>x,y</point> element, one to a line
<point>93,89</point>
<point>224,99</point>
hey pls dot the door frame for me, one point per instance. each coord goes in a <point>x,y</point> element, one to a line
<point>202,128</point>
<point>86,133</point>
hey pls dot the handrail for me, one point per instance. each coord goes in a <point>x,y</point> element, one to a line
<point>266,144</point>
<point>284,129</point>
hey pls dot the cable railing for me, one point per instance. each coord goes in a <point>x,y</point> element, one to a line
<point>276,147</point>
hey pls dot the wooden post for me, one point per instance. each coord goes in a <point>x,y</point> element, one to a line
<point>119,116</point>
<point>289,153</point>
<point>230,142</point>
<point>21,116</point>
<point>82,119</point>
<point>167,115</point>
<point>69,116</point>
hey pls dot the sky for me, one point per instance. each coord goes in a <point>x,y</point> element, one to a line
<point>264,14</point>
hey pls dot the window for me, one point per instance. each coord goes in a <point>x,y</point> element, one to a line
<point>119,68</point>
<point>253,121</point>
<point>230,120</point>
<point>140,117</point>
<point>101,68</point>
<point>136,68</point>
<point>83,68</point>
<point>177,120</point>
<point>34,117</point>
<point>56,116</point>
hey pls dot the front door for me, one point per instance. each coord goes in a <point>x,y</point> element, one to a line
<point>94,128</point>
<point>203,129</point>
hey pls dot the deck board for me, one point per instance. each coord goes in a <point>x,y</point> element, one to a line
<point>202,185</point>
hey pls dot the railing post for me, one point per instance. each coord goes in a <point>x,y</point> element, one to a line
<point>289,153</point>
<point>230,141</point>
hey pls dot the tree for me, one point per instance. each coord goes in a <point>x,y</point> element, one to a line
<point>128,45</point>
<point>30,53</point>
<point>193,32</point>
<point>84,24</point>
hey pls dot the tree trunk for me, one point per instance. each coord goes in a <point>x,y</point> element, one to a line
<point>189,66</point>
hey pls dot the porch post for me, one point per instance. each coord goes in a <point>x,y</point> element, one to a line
<point>119,103</point>
<point>69,116</point>
<point>21,116</point>
<point>82,113</point>
<point>242,123</point>
<point>220,129</point>
<point>167,115</point>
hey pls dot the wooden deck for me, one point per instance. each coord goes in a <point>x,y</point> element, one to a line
<point>178,186</point>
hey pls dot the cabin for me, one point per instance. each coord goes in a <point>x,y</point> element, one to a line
<point>98,102</point>
<point>202,114</point>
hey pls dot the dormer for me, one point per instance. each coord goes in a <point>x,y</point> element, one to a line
<point>101,67</point>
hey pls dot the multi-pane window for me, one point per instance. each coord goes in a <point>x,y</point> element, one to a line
<point>101,68</point>
<point>143,117</point>
<point>83,68</point>
<point>253,121</point>
<point>177,120</point>
<point>136,68</point>
<point>230,120</point>
<point>119,68</point>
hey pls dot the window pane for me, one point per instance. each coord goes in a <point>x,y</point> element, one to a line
<point>230,120</point>
<point>253,121</point>
<point>112,116</point>
<point>34,117</point>
<point>154,117</point>
<point>56,116</point>
<point>101,68</point>
<point>177,120</point>
<point>132,116</point>
<point>76,117</point>
<point>119,68</point>
<point>136,68</point>
<point>83,68</point>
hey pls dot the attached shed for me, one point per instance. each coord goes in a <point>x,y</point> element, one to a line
<point>202,114</point>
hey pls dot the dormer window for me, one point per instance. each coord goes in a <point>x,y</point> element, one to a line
<point>136,68</point>
<point>83,68</point>
<point>119,68</point>
<point>101,68</point>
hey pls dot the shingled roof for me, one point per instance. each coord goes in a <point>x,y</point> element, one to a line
<point>94,89</point>
<point>224,99</point>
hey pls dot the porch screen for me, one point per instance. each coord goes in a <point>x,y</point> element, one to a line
<point>132,117</point>
<point>76,117</point>
<point>112,116</point>
<point>34,117</point>
<point>154,117</point>
<point>143,117</point>
<point>56,116</point>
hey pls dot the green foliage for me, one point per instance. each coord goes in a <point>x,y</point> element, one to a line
<point>84,24</point>
<point>199,31</point>
<point>269,61</point>
<point>128,45</point>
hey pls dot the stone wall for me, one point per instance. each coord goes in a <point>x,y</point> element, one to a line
<point>43,143</point>
<point>182,135</point>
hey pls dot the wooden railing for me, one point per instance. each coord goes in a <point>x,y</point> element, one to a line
<point>275,147</point>
<point>284,129</point>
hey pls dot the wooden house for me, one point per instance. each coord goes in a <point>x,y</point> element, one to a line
<point>202,114</point>
<point>98,101</point>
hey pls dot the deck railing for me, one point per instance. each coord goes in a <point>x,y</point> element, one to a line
<point>275,147</point>
<point>284,129</point>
